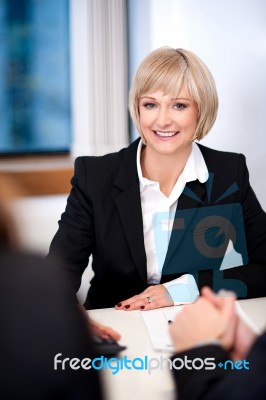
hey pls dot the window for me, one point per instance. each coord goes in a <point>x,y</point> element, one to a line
<point>34,76</point>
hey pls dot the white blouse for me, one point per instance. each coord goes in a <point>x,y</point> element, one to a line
<point>153,201</point>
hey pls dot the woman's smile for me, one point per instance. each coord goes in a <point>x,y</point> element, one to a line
<point>166,135</point>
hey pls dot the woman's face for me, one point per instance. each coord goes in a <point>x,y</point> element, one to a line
<point>168,124</point>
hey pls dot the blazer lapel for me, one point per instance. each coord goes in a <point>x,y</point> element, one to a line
<point>126,195</point>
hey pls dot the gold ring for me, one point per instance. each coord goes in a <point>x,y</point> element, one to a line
<point>150,299</point>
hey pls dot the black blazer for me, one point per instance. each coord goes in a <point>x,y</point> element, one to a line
<point>103,217</point>
<point>220,384</point>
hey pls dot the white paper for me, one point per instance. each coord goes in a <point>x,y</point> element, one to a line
<point>241,313</point>
<point>157,325</point>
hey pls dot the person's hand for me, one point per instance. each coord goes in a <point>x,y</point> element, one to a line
<point>244,339</point>
<point>202,321</point>
<point>153,297</point>
<point>103,331</point>
<point>220,302</point>
<point>244,336</point>
<point>98,329</point>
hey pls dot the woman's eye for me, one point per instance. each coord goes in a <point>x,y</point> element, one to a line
<point>180,106</point>
<point>149,106</point>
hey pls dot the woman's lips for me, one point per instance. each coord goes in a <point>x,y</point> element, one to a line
<point>166,134</point>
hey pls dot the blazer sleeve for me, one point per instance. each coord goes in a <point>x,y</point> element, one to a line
<point>254,273</point>
<point>220,384</point>
<point>74,241</point>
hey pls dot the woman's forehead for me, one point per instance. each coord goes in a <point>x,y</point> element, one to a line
<point>180,90</point>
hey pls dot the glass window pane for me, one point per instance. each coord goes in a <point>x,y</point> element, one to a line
<point>34,76</point>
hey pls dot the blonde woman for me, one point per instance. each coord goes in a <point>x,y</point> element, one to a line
<point>159,216</point>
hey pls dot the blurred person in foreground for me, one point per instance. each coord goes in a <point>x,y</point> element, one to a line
<point>211,328</point>
<point>40,318</point>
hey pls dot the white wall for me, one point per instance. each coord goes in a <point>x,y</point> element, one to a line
<point>230,37</point>
<point>37,219</point>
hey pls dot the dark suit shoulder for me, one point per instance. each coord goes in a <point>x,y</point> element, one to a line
<point>105,166</point>
<point>102,172</point>
<point>224,164</point>
<point>106,160</point>
<point>209,153</point>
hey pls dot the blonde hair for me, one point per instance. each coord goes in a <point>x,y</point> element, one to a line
<point>167,69</point>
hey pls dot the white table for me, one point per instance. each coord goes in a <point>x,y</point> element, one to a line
<point>140,385</point>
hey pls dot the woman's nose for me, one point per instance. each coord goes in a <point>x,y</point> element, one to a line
<point>164,117</point>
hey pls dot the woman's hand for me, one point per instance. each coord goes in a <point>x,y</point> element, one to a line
<point>153,297</point>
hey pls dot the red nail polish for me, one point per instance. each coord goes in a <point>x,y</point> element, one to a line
<point>127,306</point>
<point>119,305</point>
<point>142,307</point>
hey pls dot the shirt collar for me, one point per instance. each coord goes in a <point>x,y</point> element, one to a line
<point>142,180</point>
<point>195,168</point>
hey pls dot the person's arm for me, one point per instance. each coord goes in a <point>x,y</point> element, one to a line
<point>196,324</point>
<point>198,384</point>
<point>182,290</point>
<point>74,241</point>
<point>214,318</point>
<point>220,384</point>
<point>252,274</point>
<point>249,223</point>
